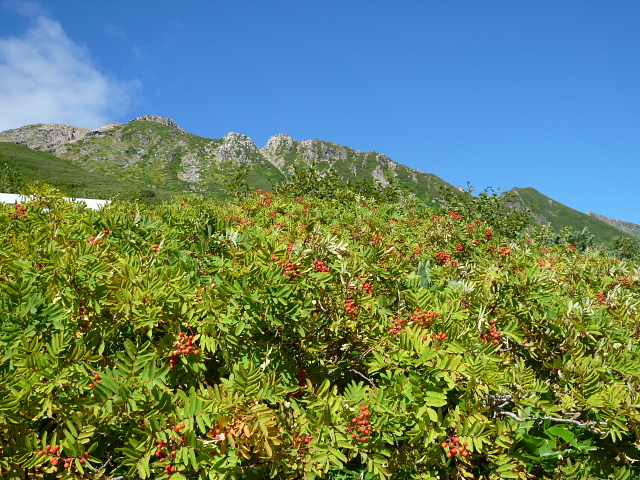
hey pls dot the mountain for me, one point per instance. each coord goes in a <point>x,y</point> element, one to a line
<point>157,152</point>
<point>545,210</point>
<point>154,155</point>
<point>630,228</point>
<point>72,180</point>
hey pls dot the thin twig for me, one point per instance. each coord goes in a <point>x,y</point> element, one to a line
<point>363,376</point>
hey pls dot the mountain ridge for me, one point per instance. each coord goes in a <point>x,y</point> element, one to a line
<point>156,152</point>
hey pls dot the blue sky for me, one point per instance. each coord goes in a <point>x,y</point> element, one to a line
<point>505,94</point>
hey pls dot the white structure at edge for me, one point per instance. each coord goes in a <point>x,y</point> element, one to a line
<point>14,198</point>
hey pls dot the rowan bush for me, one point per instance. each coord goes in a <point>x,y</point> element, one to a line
<point>238,340</point>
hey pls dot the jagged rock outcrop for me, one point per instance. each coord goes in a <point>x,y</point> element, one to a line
<point>277,147</point>
<point>315,150</point>
<point>44,136</point>
<point>163,120</point>
<point>234,146</point>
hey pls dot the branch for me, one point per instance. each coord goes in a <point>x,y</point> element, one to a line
<point>363,376</point>
<point>499,402</point>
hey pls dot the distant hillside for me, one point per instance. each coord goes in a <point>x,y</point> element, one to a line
<point>157,152</point>
<point>155,156</point>
<point>545,210</point>
<point>71,179</point>
<point>628,227</point>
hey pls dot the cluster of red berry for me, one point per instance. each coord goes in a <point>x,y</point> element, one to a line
<point>398,325</point>
<point>420,317</point>
<point>351,308</point>
<point>171,452</point>
<point>183,346</point>
<point>320,266</point>
<point>367,287</point>
<point>440,336</point>
<point>362,425</point>
<point>302,441</point>
<point>95,378</point>
<point>217,432</point>
<point>266,198</point>
<point>55,458</point>
<point>504,251</point>
<point>155,248</point>
<point>455,447</point>
<point>494,335</point>
<point>488,234</point>
<point>290,269</point>
<point>19,212</point>
<point>445,258</point>
<point>455,215</point>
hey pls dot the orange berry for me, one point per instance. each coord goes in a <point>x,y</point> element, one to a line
<point>449,455</point>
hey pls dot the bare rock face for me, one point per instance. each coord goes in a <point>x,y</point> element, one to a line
<point>234,146</point>
<point>277,147</point>
<point>315,150</point>
<point>163,120</point>
<point>44,136</point>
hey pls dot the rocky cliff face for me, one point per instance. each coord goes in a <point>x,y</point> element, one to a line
<point>158,119</point>
<point>49,136</point>
<point>235,147</point>
<point>44,136</point>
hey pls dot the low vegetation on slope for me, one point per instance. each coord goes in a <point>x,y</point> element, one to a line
<point>20,166</point>
<point>290,335</point>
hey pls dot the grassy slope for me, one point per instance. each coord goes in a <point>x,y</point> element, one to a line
<point>70,179</point>
<point>547,210</point>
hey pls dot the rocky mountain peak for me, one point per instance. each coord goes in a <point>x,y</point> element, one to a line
<point>163,120</point>
<point>234,146</point>
<point>277,142</point>
<point>44,136</point>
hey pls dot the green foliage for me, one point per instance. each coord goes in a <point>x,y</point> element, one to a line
<point>254,339</point>
<point>492,207</point>
<point>10,179</point>
<point>625,248</point>
<point>580,240</point>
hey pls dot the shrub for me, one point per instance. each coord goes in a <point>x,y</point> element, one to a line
<point>297,337</point>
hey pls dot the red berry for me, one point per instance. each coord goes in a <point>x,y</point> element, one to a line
<point>363,408</point>
<point>41,453</point>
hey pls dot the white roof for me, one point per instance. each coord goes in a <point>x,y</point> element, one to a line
<point>13,198</point>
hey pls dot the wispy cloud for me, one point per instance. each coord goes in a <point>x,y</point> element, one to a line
<point>46,77</point>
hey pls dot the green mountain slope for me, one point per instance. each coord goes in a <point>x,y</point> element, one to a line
<point>548,211</point>
<point>630,228</point>
<point>155,154</point>
<point>72,180</point>
<point>156,151</point>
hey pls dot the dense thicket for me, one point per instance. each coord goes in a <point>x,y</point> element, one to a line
<point>296,335</point>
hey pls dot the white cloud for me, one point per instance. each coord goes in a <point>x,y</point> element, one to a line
<point>45,77</point>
